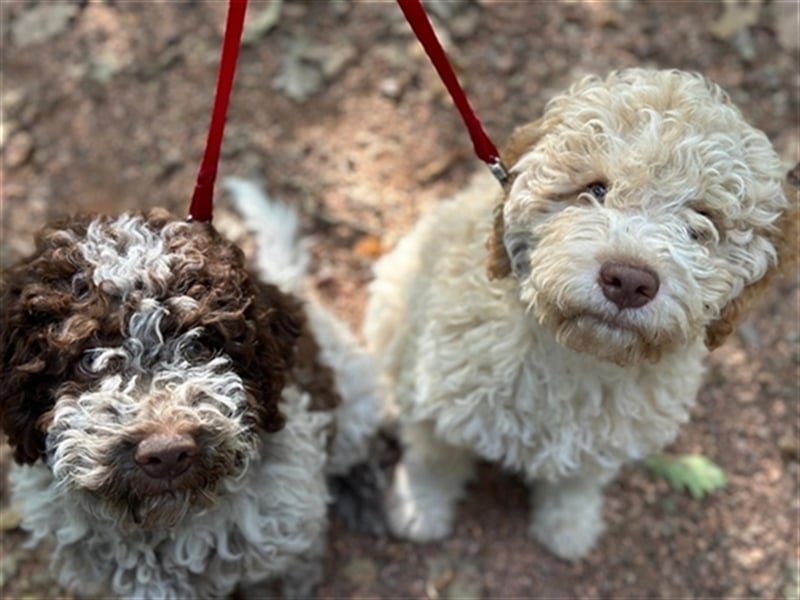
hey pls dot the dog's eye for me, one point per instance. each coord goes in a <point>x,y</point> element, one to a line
<point>86,364</point>
<point>598,189</point>
<point>197,350</point>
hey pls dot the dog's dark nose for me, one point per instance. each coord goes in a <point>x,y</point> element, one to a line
<point>626,285</point>
<point>166,455</point>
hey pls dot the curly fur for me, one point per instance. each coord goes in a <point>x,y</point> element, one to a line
<point>120,329</point>
<point>510,351</point>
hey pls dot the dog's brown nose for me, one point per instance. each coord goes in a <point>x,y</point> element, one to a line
<point>628,286</point>
<point>166,455</point>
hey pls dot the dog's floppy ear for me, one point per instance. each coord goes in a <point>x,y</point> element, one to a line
<point>293,355</point>
<point>21,401</point>
<point>37,349</point>
<point>498,262</point>
<point>265,362</point>
<point>784,238</point>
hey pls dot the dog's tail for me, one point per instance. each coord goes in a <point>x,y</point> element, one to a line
<point>281,256</point>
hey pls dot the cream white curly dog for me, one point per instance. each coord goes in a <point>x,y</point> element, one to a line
<point>642,216</point>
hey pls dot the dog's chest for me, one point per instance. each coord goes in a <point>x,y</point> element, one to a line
<point>547,412</point>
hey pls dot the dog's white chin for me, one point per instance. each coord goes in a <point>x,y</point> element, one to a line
<point>607,340</point>
<point>165,511</point>
<point>131,512</point>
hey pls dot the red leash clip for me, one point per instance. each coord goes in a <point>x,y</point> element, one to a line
<point>203,198</point>
<point>484,148</point>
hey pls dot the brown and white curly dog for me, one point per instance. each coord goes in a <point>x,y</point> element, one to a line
<point>643,216</point>
<point>175,416</point>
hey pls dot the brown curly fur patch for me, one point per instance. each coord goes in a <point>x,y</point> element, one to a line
<point>314,376</point>
<point>52,312</point>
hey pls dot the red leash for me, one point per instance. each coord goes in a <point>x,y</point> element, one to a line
<point>484,148</point>
<point>203,197</point>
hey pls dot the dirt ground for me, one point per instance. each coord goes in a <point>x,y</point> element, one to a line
<point>105,107</point>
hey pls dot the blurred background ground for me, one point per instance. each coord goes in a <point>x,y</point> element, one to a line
<point>105,106</point>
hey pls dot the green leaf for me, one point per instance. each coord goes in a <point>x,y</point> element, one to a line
<point>690,472</point>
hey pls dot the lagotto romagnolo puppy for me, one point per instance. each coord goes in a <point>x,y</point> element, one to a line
<point>642,217</point>
<point>175,416</point>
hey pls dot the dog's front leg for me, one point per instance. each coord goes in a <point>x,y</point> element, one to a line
<point>567,515</point>
<point>427,485</point>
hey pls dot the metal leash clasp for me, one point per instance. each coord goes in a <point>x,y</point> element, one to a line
<point>499,171</point>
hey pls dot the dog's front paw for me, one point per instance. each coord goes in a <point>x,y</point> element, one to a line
<point>418,512</point>
<point>568,524</point>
